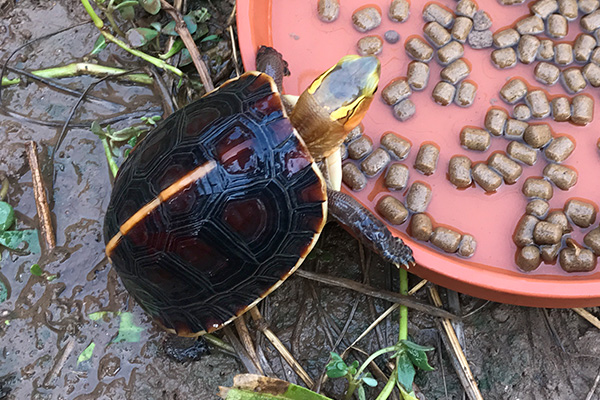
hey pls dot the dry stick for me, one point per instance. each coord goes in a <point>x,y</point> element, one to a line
<point>41,200</point>
<point>459,361</point>
<point>60,361</point>
<point>377,293</point>
<point>242,330</point>
<point>588,317</point>
<point>262,326</point>
<point>241,351</point>
<point>593,388</point>
<point>184,34</point>
<point>235,59</point>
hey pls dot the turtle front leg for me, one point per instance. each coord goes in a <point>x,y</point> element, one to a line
<point>368,228</point>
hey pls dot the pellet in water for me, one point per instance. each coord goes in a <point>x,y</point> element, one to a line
<point>353,177</point>
<point>418,197</point>
<point>515,129</point>
<point>558,26</point>
<point>550,253</point>
<point>546,50</point>
<point>583,47</point>
<point>504,58</point>
<point>592,240</point>
<point>538,188</point>
<point>443,93</point>
<point>543,8</point>
<point>480,39</point>
<point>495,120</point>
<point>568,9</point>
<point>523,235</point>
<point>360,147</point>
<point>587,6</point>
<point>561,109</point>
<point>418,49</point>
<point>421,227</point>
<point>537,136</point>
<point>538,103</point>
<point>475,138</point>
<point>465,94</point>
<point>366,19</point>
<point>427,158</point>
<point>467,246</point>
<point>509,169</point>
<point>404,110</point>
<point>559,149</point>
<point>461,28</point>
<point>506,38</point>
<point>528,48</point>
<point>392,210</point>
<point>328,10</point>
<point>577,260</point>
<point>375,162</point>
<point>573,80</point>
<point>562,176</point>
<point>481,21</point>
<point>397,145</point>
<point>595,57</point>
<point>546,233</point>
<point>538,208</point>
<point>398,89</point>
<point>445,239</point>
<point>450,52</point>
<point>590,22</point>
<point>355,133</point>
<point>563,54</point>
<point>531,25</point>
<point>459,171</point>
<point>399,10</point>
<point>522,112</point>
<point>396,177</point>
<point>418,75</point>
<point>591,72</point>
<point>529,258</point>
<point>546,73</point>
<point>369,46</point>
<point>466,8</point>
<point>513,91</point>
<point>391,36</point>
<point>486,177</point>
<point>436,12</point>
<point>582,213</point>
<point>437,34</point>
<point>582,109</point>
<point>456,71</point>
<point>560,218</point>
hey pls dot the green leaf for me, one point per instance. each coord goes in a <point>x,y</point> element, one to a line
<point>7,216</point>
<point>14,240</point>
<point>419,358</point>
<point>201,15</point>
<point>128,13</point>
<point>97,129</point>
<point>369,381</point>
<point>52,277</point>
<point>3,292</point>
<point>185,58</point>
<point>139,37</point>
<point>169,29</point>
<point>406,371</point>
<point>156,25</point>
<point>36,270</point>
<point>361,393</point>
<point>190,23</point>
<point>128,3</point>
<point>151,6</point>
<point>336,368</point>
<point>128,330</point>
<point>87,353</point>
<point>95,316</point>
<point>99,45</point>
<point>415,346</point>
<point>210,37</point>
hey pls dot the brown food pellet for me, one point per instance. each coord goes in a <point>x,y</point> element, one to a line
<point>537,136</point>
<point>513,91</point>
<point>366,19</point>
<point>418,197</point>
<point>529,258</point>
<point>568,9</point>
<point>450,52</point>
<point>546,50</point>
<point>396,177</point>
<point>404,110</point>
<point>427,159</point>
<point>461,28</point>
<point>445,239</point>
<point>418,75</point>
<point>587,6</point>
<point>328,10</point>
<point>531,25</point>
<point>577,260</point>
<point>582,109</point>
<point>546,73</point>
<point>523,235</point>
<point>561,109</point>
<point>546,233</point>
<point>521,152</point>
<point>398,89</point>
<point>465,94</point>
<point>495,120</point>
<point>486,177</point>
<point>392,210</point>
<point>369,46</point>
<point>437,34</point>
<point>438,13</point>
<point>592,74</point>
<point>581,213</point>
<point>375,162</point>
<point>521,112</point>
<point>360,147</point>
<point>543,8</point>
<point>558,26</point>
<point>481,21</point>
<point>511,2</point>
<point>560,218</point>
<point>538,208</point>
<point>459,171</point>
<point>592,240</point>
<point>562,176</point>
<point>509,169</point>
<point>443,93</point>
<point>538,103</point>
<point>467,246</point>
<point>466,8</point>
<point>480,39</point>
<point>399,10</point>
<point>583,47</point>
<point>573,80</point>
<point>456,71</point>
<point>504,58</point>
<point>355,133</point>
<point>590,22</point>
<point>550,253</point>
<point>538,188</point>
<point>353,177</point>
<point>559,149</point>
<point>595,57</point>
<point>475,138</point>
<point>421,227</point>
<point>506,38</point>
<point>397,145</point>
<point>515,129</point>
<point>418,49</point>
<point>527,48</point>
<point>563,54</point>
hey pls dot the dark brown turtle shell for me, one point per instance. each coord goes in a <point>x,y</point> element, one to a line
<point>215,208</point>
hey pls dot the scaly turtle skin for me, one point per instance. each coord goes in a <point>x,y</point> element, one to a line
<point>223,201</point>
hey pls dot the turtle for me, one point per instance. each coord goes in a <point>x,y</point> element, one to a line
<point>223,201</point>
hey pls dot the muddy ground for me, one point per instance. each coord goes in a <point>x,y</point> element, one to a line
<point>45,325</point>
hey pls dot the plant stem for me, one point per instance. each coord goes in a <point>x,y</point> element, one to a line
<point>389,387</point>
<point>374,356</point>
<point>352,384</point>
<point>95,18</point>
<point>403,323</point>
<point>111,162</point>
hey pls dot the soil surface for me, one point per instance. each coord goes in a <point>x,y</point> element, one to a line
<point>47,324</point>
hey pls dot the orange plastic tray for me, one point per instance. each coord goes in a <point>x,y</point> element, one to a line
<point>311,46</point>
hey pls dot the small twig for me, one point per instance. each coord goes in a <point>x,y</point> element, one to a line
<point>593,388</point>
<point>244,334</point>
<point>588,316</point>
<point>215,341</point>
<point>262,326</point>
<point>377,293</point>
<point>234,52</point>
<point>41,199</point>
<point>60,361</point>
<point>455,308</point>
<point>551,329</point>
<point>241,351</point>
